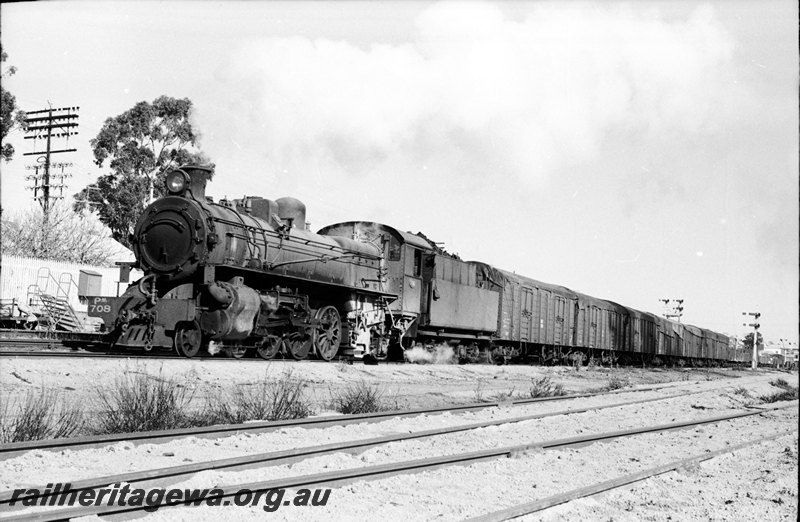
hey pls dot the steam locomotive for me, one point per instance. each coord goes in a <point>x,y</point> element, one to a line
<point>248,275</point>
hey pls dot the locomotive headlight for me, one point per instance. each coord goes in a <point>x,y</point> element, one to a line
<point>176,182</point>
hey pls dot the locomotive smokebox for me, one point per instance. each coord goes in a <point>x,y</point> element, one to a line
<point>293,210</point>
<point>198,177</point>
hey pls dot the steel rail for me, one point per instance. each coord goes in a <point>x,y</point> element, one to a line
<point>118,355</point>
<point>338,420</point>
<point>12,334</point>
<point>347,476</point>
<point>618,482</point>
<point>298,454</point>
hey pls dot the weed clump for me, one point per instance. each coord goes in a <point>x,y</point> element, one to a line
<point>544,387</point>
<point>142,402</point>
<point>283,399</point>
<point>359,398</point>
<point>789,393</point>
<point>741,390</point>
<point>480,387</point>
<point>615,383</point>
<point>780,383</point>
<point>37,416</point>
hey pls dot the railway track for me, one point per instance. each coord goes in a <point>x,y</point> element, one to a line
<point>294,455</point>
<point>155,437</point>
<point>680,393</point>
<point>528,508</point>
<point>374,472</point>
<point>60,353</point>
<point>8,335</point>
<point>41,343</point>
<point>39,348</point>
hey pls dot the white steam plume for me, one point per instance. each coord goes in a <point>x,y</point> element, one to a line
<point>442,353</point>
<point>474,90</point>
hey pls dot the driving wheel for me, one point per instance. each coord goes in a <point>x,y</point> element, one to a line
<point>270,347</point>
<point>298,345</point>
<point>188,339</point>
<point>328,333</point>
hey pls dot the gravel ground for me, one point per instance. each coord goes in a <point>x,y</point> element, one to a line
<point>755,483</point>
<point>404,385</point>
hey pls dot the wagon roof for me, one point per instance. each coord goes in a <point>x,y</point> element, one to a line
<point>540,284</point>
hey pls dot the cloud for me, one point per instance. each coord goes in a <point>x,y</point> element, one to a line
<point>474,89</point>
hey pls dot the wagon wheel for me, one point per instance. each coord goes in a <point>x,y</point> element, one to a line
<point>497,356</point>
<point>270,347</point>
<point>328,333</point>
<point>298,345</point>
<point>473,353</point>
<point>236,351</point>
<point>188,339</point>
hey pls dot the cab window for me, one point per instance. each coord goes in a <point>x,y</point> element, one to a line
<point>417,262</point>
<point>394,249</point>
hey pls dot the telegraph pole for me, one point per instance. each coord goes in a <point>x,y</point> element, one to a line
<point>755,326</point>
<point>49,125</point>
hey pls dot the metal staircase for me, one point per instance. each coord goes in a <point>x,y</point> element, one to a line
<point>49,298</point>
<point>59,313</point>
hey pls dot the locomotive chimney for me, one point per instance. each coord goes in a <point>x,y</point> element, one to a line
<point>198,177</point>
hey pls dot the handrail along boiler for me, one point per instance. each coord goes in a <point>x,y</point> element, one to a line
<point>247,274</point>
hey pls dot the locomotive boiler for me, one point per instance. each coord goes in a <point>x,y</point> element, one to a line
<point>247,274</point>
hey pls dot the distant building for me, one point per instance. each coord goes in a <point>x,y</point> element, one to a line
<point>782,353</point>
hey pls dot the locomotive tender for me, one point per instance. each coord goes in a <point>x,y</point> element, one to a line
<point>248,275</point>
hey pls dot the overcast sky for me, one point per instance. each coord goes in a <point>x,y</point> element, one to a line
<point>630,151</point>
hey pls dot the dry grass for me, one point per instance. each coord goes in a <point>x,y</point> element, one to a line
<point>789,393</point>
<point>544,387</point>
<point>39,415</point>
<point>142,402</point>
<point>359,398</point>
<point>477,393</point>
<point>615,383</point>
<point>502,396</point>
<point>282,399</point>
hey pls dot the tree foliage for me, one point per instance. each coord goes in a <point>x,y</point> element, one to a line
<point>747,342</point>
<point>10,115</point>
<point>63,236</point>
<point>140,145</point>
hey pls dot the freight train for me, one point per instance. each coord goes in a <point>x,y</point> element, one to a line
<point>246,275</point>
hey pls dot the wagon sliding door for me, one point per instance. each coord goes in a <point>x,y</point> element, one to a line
<point>527,332</point>
<point>562,312</point>
<point>593,337</point>
<point>545,317</point>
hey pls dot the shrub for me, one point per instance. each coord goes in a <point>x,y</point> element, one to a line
<point>544,387</point>
<point>283,399</point>
<point>503,396</point>
<point>359,398</point>
<point>741,390</point>
<point>141,402</point>
<point>39,415</point>
<point>615,383</point>
<point>788,394</point>
<point>780,383</point>
<point>480,386</point>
